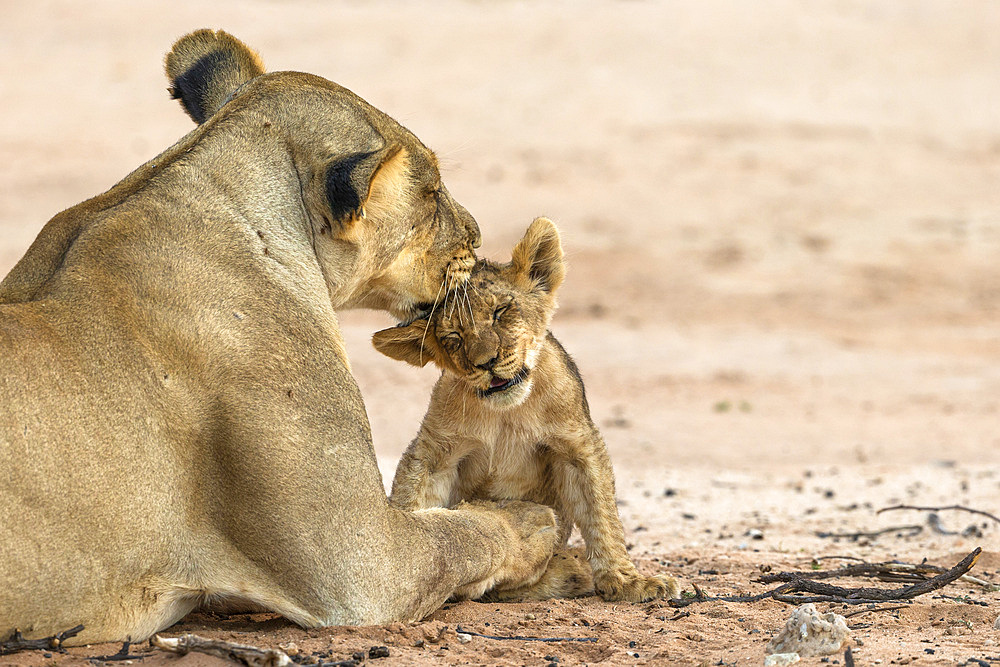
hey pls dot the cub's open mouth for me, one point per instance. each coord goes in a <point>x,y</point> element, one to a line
<point>498,384</point>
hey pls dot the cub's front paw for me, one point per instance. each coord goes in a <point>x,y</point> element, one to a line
<point>625,584</point>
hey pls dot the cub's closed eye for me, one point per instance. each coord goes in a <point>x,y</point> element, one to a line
<point>500,311</point>
<point>452,336</point>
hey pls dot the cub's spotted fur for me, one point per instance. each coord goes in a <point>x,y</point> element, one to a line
<point>509,419</point>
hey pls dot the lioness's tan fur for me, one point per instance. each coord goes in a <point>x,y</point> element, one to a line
<point>534,440</point>
<point>178,419</point>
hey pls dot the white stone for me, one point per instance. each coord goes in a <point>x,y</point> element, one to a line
<point>779,659</point>
<point>809,633</point>
<point>464,638</point>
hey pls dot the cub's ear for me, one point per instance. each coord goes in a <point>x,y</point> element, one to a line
<point>539,256</point>
<point>360,184</point>
<point>206,67</point>
<point>411,343</point>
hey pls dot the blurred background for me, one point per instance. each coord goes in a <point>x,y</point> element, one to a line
<point>782,218</point>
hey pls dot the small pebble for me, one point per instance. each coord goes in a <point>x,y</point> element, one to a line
<point>530,617</point>
<point>378,652</point>
<point>464,638</point>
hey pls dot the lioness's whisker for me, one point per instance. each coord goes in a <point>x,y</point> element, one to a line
<point>430,318</point>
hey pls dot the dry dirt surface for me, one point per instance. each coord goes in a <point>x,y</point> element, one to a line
<point>783,223</point>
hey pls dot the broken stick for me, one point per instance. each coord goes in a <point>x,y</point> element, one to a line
<point>520,638</point>
<point>251,656</point>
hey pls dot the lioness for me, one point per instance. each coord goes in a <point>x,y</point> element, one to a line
<point>509,419</point>
<point>178,419</point>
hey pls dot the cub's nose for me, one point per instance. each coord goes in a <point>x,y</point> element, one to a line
<point>488,366</point>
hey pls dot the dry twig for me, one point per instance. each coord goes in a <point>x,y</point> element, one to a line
<point>123,654</point>
<point>911,531</point>
<point>791,590</point>
<point>248,655</point>
<point>961,508</point>
<point>17,642</point>
<point>872,609</point>
<point>460,629</point>
<point>884,571</point>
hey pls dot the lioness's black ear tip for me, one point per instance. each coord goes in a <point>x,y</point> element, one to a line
<point>206,67</point>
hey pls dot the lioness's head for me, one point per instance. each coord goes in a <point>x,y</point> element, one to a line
<point>489,331</point>
<point>385,231</point>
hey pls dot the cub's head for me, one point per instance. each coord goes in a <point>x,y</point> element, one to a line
<point>489,331</point>
<point>385,230</point>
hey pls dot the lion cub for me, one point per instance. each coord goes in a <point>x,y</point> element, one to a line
<point>508,418</point>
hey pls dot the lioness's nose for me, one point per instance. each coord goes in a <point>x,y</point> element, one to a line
<point>471,226</point>
<point>477,237</point>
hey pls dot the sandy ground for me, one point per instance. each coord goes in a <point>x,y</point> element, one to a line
<point>783,223</point>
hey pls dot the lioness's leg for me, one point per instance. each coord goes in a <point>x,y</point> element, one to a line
<point>585,484</point>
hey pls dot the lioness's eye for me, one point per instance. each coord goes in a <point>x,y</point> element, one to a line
<point>453,337</point>
<point>500,311</point>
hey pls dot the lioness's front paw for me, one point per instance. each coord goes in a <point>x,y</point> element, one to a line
<point>566,576</point>
<point>625,584</point>
<point>532,538</point>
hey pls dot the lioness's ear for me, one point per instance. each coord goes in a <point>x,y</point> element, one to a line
<point>411,343</point>
<point>206,67</point>
<point>539,256</point>
<point>362,183</point>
